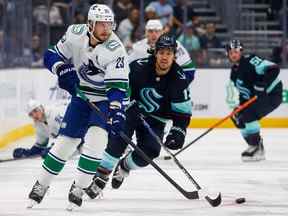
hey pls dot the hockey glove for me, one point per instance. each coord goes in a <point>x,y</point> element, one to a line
<point>67,78</point>
<point>22,152</point>
<point>175,139</point>
<point>117,117</point>
<point>259,89</point>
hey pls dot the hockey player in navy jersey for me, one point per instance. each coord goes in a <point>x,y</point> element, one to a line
<point>159,91</point>
<point>253,75</point>
<point>92,58</point>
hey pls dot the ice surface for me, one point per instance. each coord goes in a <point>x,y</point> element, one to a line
<point>214,162</point>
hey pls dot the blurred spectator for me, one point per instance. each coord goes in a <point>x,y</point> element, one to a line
<point>79,18</point>
<point>181,7</point>
<point>37,60</point>
<point>81,11</point>
<point>198,26</point>
<point>189,40</point>
<point>210,40</point>
<point>150,13</point>
<point>135,36</point>
<point>122,9</point>
<point>127,25</point>
<point>55,16</point>
<point>40,14</point>
<point>58,13</point>
<point>273,10</point>
<point>164,11</point>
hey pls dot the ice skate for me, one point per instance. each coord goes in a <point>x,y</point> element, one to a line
<point>37,193</point>
<point>254,153</point>
<point>75,197</point>
<point>119,174</point>
<point>95,188</point>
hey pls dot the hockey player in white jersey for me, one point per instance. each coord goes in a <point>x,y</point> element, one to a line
<point>144,47</point>
<point>46,121</point>
<point>92,58</point>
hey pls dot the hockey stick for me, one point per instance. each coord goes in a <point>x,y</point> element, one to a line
<point>238,109</point>
<point>213,202</point>
<point>17,159</point>
<point>187,194</point>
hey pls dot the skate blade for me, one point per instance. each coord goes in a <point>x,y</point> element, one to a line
<point>71,207</point>
<point>253,159</point>
<point>31,204</point>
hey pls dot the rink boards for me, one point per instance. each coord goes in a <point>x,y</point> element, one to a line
<point>212,95</point>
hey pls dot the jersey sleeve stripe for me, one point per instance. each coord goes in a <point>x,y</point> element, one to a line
<point>59,53</point>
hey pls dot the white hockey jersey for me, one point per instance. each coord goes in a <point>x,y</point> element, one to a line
<point>139,50</point>
<point>99,68</point>
<point>49,129</point>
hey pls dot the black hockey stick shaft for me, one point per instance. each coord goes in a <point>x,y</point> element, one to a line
<point>213,202</point>
<point>187,194</point>
<point>237,110</point>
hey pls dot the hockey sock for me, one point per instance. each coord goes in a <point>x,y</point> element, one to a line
<point>87,166</point>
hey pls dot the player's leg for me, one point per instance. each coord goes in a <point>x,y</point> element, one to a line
<point>251,131</point>
<point>95,142</point>
<point>73,127</point>
<point>132,160</point>
<point>113,152</point>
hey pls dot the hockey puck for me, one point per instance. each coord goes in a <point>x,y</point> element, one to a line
<point>240,200</point>
<point>167,157</point>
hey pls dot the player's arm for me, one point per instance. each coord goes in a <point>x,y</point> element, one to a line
<point>181,111</point>
<point>38,147</point>
<point>267,73</point>
<point>117,83</point>
<point>184,60</point>
<point>56,61</point>
<point>60,53</point>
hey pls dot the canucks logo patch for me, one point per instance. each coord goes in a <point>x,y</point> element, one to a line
<point>89,72</point>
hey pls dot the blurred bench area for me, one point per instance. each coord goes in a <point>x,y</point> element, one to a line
<point>28,27</point>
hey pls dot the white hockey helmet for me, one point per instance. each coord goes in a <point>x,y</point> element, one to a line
<point>32,105</point>
<point>154,24</point>
<point>100,13</point>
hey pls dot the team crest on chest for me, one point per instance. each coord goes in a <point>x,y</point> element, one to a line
<point>89,72</point>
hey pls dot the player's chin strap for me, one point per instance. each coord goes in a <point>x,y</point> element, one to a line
<point>235,111</point>
<point>187,194</point>
<point>213,202</point>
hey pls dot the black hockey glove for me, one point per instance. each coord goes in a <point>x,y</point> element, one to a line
<point>68,78</point>
<point>175,139</point>
<point>259,89</point>
<point>117,117</point>
<point>25,152</point>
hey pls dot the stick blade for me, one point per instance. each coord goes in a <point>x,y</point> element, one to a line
<point>214,202</point>
<point>191,195</point>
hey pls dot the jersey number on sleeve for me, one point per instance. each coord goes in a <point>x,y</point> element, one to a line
<point>120,62</point>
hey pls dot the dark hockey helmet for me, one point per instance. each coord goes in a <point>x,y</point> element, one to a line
<point>166,41</point>
<point>234,44</point>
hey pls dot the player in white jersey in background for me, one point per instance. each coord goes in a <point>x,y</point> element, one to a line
<point>100,70</point>
<point>46,121</point>
<point>153,30</point>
